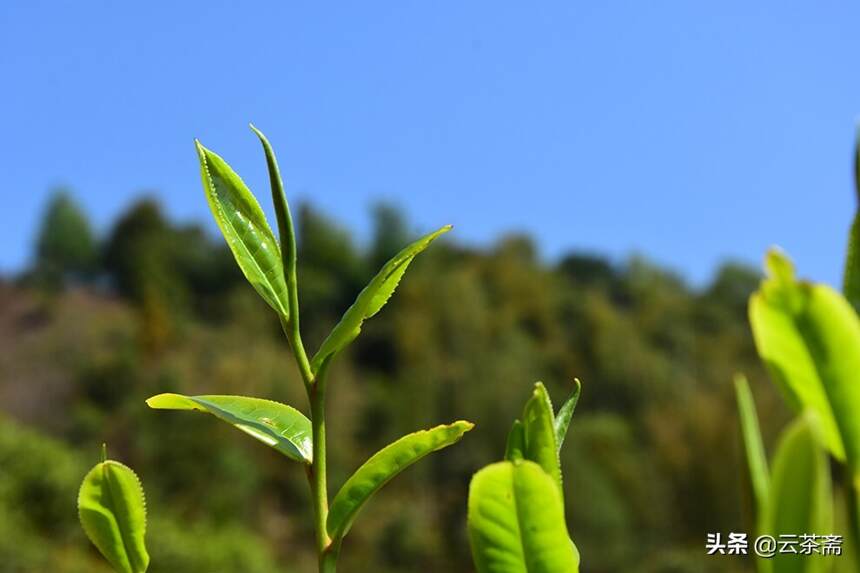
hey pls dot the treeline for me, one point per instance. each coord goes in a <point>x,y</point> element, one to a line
<point>97,324</point>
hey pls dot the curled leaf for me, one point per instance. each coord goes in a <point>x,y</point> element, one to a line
<point>539,432</point>
<point>516,445</point>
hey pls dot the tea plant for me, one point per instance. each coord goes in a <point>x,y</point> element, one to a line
<point>516,507</point>
<point>112,511</point>
<point>269,264</point>
<point>808,336</point>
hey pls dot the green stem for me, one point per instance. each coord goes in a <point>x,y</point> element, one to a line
<point>294,337</point>
<point>328,559</point>
<point>317,473</point>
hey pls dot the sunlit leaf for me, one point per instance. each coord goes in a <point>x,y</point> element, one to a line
<point>244,226</point>
<point>384,465</point>
<point>277,425</point>
<point>800,500</point>
<point>371,299</point>
<point>539,432</point>
<point>565,413</point>
<point>516,521</point>
<point>791,322</point>
<point>112,511</point>
<point>753,446</point>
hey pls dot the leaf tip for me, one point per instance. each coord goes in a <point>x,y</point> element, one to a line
<point>257,131</point>
<point>778,265</point>
<point>104,452</point>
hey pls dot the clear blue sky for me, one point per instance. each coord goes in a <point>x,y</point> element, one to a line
<point>688,131</point>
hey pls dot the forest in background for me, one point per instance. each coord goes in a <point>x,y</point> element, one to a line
<point>99,323</point>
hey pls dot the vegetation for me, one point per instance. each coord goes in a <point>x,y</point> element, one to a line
<point>164,310</point>
<point>808,335</point>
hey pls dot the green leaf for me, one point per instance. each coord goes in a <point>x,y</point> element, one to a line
<point>851,278</point>
<point>809,336</point>
<point>565,413</point>
<point>384,465</point>
<point>277,425</point>
<point>786,329</point>
<point>516,445</point>
<point>112,511</point>
<point>286,231</point>
<point>539,431</point>
<point>371,299</point>
<point>801,500</point>
<point>516,521</point>
<point>753,446</point>
<point>244,226</point>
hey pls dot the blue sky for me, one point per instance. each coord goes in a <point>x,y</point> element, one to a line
<point>689,131</point>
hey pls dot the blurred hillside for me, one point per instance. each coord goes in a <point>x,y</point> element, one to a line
<point>98,324</point>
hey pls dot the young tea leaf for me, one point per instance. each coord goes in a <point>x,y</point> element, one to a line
<point>539,432</point>
<point>371,299</point>
<point>516,445</point>
<point>244,226</point>
<point>384,465</point>
<point>753,446</point>
<point>800,498</point>
<point>282,212</point>
<point>516,521</point>
<point>112,511</point>
<point>565,413</point>
<point>798,361</point>
<point>277,425</point>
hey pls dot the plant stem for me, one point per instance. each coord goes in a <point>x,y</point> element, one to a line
<point>328,559</point>
<point>317,474</point>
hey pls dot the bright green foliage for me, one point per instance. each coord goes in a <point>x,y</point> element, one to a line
<point>112,511</point>
<point>539,433</point>
<point>753,446</point>
<point>516,507</point>
<point>800,497</point>
<point>277,425</point>
<point>384,465</point>
<point>565,413</point>
<point>851,278</point>
<point>244,226</point>
<point>788,336</point>
<point>516,521</point>
<point>371,299</point>
<point>271,269</point>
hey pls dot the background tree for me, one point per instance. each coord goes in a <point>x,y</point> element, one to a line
<point>66,249</point>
